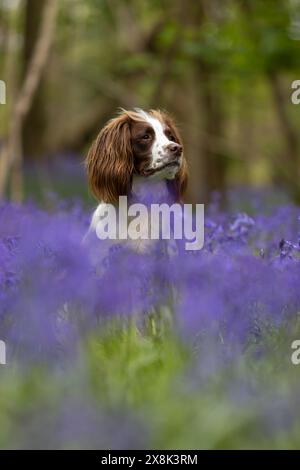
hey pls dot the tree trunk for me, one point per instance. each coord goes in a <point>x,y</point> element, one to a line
<point>289,170</point>
<point>286,173</point>
<point>214,159</point>
<point>11,155</point>
<point>33,133</point>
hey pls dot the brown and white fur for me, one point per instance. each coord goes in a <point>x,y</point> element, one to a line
<point>134,148</point>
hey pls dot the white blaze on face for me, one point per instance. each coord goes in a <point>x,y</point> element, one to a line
<point>161,141</point>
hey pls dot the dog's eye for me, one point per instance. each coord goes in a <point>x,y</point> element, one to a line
<point>146,137</point>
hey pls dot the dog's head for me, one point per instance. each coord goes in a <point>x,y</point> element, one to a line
<point>147,144</point>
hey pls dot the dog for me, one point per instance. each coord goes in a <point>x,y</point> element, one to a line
<point>136,150</point>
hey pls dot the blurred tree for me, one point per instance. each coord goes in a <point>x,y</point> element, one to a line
<point>268,26</point>
<point>34,128</point>
<point>113,67</point>
<point>209,69</point>
<point>221,68</point>
<point>11,158</point>
<point>201,21</point>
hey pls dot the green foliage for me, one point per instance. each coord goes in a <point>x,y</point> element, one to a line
<point>155,378</point>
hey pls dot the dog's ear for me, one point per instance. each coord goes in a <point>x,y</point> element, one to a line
<point>109,161</point>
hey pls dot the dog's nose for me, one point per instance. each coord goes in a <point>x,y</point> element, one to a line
<point>175,149</point>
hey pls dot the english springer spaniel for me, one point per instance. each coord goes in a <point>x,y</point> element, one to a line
<point>132,149</point>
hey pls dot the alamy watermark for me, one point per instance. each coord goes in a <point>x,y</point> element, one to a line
<point>2,353</point>
<point>295,357</point>
<point>2,343</point>
<point>2,92</point>
<point>152,222</point>
<point>295,96</point>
